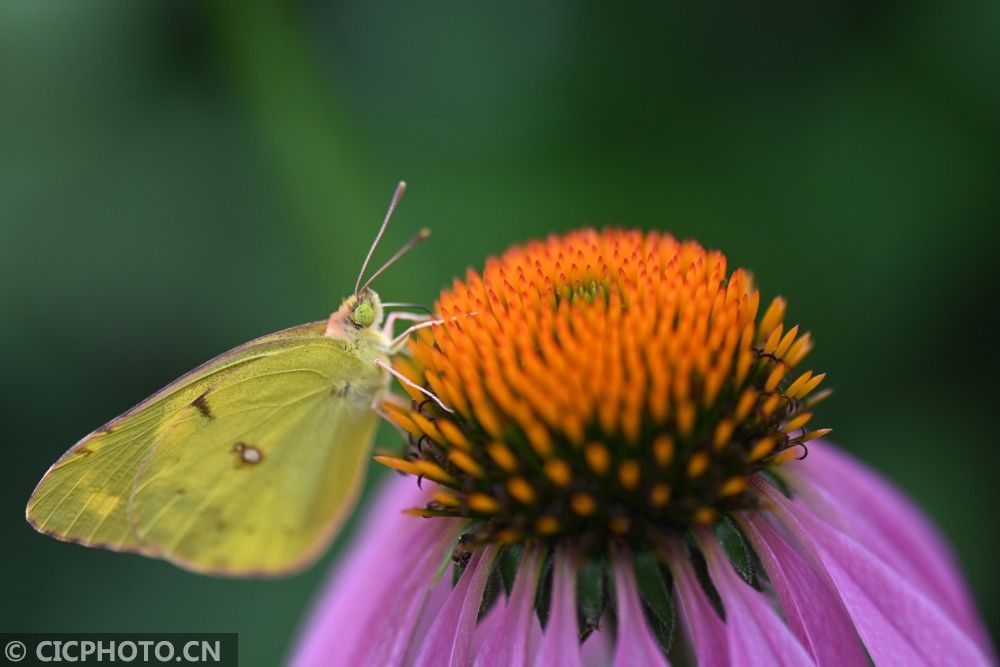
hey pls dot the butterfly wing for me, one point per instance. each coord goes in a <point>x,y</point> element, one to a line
<point>245,466</point>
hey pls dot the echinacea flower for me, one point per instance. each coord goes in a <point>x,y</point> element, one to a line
<point>613,469</point>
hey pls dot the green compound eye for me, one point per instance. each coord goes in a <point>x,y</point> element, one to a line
<point>364,314</point>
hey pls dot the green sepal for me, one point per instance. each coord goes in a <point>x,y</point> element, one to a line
<point>591,596</point>
<point>508,562</point>
<point>497,583</point>
<point>494,585</point>
<point>653,582</point>
<point>701,569</point>
<point>777,481</point>
<point>543,593</point>
<point>446,560</point>
<point>738,550</point>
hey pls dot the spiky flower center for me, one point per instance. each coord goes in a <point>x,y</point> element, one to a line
<point>603,385</point>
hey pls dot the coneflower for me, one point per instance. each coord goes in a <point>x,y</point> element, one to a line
<point>612,460</point>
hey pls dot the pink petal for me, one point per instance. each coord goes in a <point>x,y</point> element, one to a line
<point>814,612</point>
<point>561,641</point>
<point>704,628</point>
<point>509,642</point>
<point>534,637</point>
<point>449,641</point>
<point>369,609</point>
<point>489,621</point>
<point>635,644</point>
<point>864,505</point>
<point>898,622</point>
<point>755,632</point>
<point>439,594</point>
<point>596,649</point>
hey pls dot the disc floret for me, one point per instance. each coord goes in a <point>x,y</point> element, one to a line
<point>604,385</point>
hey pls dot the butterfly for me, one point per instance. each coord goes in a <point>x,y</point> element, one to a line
<point>249,464</point>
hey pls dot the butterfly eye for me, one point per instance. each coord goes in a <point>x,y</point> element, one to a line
<point>363,314</point>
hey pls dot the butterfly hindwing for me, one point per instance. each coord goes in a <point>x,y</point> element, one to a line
<point>260,485</point>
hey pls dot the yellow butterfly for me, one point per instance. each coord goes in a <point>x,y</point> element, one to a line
<point>247,465</point>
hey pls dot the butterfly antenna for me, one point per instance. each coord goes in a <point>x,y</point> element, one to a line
<point>417,239</point>
<point>396,196</point>
<point>404,304</point>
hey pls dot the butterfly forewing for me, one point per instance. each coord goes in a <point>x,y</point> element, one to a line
<point>244,466</point>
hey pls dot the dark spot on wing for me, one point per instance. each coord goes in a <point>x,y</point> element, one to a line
<point>84,452</point>
<point>341,392</point>
<point>202,404</point>
<point>247,454</point>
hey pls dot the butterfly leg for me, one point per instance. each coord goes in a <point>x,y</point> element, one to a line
<point>399,342</point>
<point>403,316</point>
<point>410,383</point>
<point>396,344</point>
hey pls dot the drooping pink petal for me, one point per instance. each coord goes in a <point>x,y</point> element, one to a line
<point>755,633</point>
<point>435,602</point>
<point>534,637</point>
<point>368,611</point>
<point>448,643</point>
<point>898,622</point>
<point>560,643</point>
<point>635,644</point>
<point>508,644</point>
<point>596,649</point>
<point>704,628</point>
<point>861,503</point>
<point>490,620</point>
<point>814,612</point>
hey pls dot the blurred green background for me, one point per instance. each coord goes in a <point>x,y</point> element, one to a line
<point>178,177</point>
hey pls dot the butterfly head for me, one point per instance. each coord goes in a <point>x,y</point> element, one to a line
<point>365,309</point>
<point>358,312</point>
